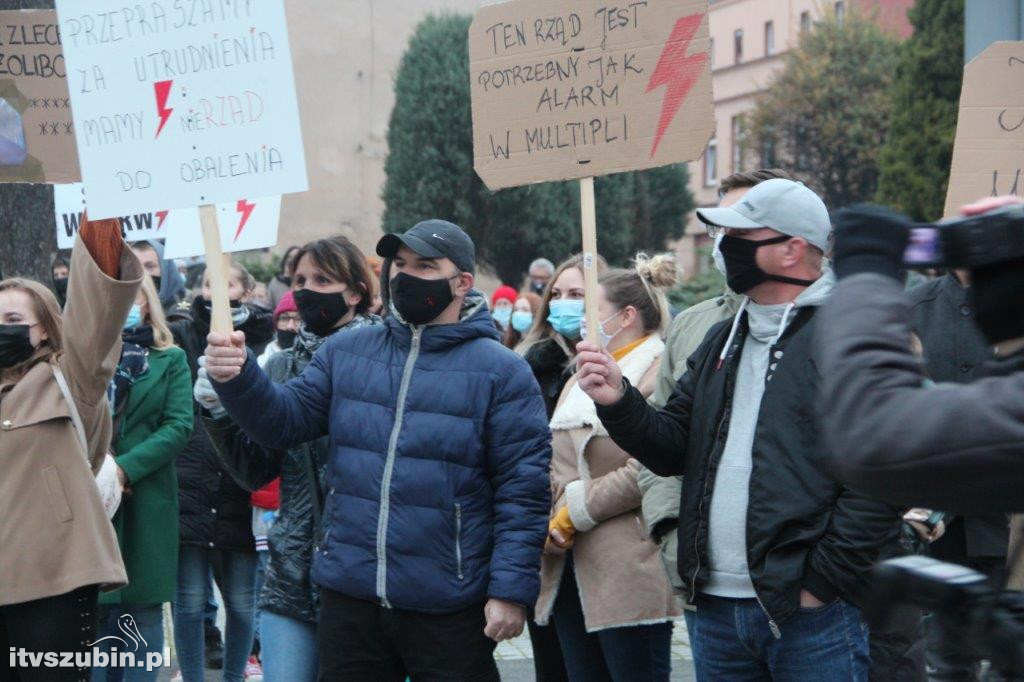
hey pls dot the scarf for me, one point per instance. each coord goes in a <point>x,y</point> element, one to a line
<point>134,364</point>
<point>307,343</point>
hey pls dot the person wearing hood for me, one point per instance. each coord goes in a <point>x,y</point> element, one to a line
<point>774,550</point>
<point>437,477</point>
<point>215,517</point>
<point>169,283</point>
<point>60,272</point>
<point>334,291</point>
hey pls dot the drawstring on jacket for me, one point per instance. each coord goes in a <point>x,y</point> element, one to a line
<point>732,333</point>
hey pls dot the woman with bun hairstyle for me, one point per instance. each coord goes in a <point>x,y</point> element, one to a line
<point>57,547</point>
<point>602,580</point>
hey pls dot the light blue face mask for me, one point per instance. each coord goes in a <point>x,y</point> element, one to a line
<point>566,316</point>
<point>134,317</point>
<point>502,316</point>
<point>521,321</point>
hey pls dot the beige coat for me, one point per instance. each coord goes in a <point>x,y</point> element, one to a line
<point>54,534</point>
<point>619,571</point>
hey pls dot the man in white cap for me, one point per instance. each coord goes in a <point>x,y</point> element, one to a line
<point>773,550</point>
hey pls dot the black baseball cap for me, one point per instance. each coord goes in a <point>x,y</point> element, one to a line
<point>433,239</point>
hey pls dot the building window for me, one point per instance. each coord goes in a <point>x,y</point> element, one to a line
<point>769,38</point>
<point>768,159</point>
<point>711,52</point>
<point>805,22</point>
<point>739,135</point>
<point>738,44</point>
<point>711,164</point>
<point>840,12</point>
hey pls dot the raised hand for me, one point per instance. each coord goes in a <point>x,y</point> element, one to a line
<point>225,355</point>
<point>105,244</point>
<point>599,374</point>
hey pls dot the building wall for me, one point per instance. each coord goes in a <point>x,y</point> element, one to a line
<point>736,85</point>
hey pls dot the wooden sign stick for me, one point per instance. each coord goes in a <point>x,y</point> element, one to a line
<point>217,268</point>
<point>588,215</point>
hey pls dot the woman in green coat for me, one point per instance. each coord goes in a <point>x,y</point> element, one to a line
<point>151,400</point>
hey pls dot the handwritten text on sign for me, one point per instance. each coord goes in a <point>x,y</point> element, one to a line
<point>572,89</point>
<point>180,104</point>
<point>988,156</point>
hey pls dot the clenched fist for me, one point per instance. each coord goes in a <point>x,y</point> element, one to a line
<point>225,355</point>
<point>599,375</point>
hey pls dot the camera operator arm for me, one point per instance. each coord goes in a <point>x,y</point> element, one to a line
<point>947,446</point>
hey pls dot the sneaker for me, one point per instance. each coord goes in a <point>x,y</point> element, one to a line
<point>253,670</point>
<point>214,647</point>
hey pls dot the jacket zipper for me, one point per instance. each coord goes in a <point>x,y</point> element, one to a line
<point>389,468</point>
<point>458,539</point>
<point>772,625</point>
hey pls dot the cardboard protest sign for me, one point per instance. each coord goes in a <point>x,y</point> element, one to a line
<point>243,225</point>
<point>180,104</point>
<point>37,138</point>
<point>69,205</point>
<point>578,88</point>
<point>988,155</point>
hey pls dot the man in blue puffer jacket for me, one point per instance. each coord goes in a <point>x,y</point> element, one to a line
<point>437,485</point>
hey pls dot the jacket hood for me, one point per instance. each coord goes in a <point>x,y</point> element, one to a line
<point>475,321</point>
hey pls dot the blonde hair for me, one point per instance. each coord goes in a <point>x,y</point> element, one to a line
<point>542,329</point>
<point>641,287</point>
<point>46,308</point>
<point>162,337</point>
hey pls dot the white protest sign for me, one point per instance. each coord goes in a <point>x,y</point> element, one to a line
<point>69,205</point>
<point>243,225</point>
<point>181,103</point>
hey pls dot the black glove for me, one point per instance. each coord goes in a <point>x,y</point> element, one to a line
<point>869,238</point>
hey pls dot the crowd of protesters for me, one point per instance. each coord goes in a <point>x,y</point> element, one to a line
<point>384,471</point>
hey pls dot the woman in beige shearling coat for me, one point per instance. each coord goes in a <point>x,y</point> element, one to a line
<point>57,548</point>
<point>603,583</point>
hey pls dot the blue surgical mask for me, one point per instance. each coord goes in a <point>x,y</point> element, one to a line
<point>566,317</point>
<point>521,321</point>
<point>134,317</point>
<point>502,316</point>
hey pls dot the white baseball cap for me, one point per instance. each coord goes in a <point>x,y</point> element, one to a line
<point>783,205</point>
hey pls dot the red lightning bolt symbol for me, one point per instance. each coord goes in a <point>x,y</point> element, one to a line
<point>162,90</point>
<point>677,72</point>
<point>161,216</point>
<point>245,208</point>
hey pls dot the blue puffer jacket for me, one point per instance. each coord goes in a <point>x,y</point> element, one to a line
<point>438,481</point>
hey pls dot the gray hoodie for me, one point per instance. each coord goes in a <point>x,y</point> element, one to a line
<point>727,535</point>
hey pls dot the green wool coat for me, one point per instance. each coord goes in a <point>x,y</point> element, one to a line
<point>156,425</point>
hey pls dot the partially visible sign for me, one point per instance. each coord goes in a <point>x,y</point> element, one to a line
<point>578,88</point>
<point>181,103</point>
<point>37,137</point>
<point>243,225</point>
<point>988,155</point>
<point>69,206</point>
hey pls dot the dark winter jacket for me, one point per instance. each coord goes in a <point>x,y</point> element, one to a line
<point>215,511</point>
<point>288,588</point>
<point>549,364</point>
<point>942,446</point>
<point>438,492</point>
<point>805,530</point>
<point>955,351</point>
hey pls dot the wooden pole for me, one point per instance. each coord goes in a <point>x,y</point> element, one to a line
<point>588,215</point>
<point>217,268</point>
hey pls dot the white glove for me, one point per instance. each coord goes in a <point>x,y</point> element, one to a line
<point>205,395</point>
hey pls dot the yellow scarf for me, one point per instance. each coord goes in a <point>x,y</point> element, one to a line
<point>624,351</point>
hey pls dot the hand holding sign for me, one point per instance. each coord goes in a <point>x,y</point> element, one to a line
<point>225,355</point>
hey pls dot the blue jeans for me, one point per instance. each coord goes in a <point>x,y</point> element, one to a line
<point>731,640</point>
<point>263,562</point>
<point>238,583</point>
<point>148,620</point>
<point>288,648</point>
<point>634,653</point>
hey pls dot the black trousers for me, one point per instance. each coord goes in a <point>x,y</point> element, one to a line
<point>64,623</point>
<point>360,640</point>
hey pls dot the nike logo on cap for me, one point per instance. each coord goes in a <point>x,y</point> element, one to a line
<point>437,236</point>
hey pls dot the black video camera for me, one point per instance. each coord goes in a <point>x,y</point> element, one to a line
<point>967,242</point>
<point>987,621</point>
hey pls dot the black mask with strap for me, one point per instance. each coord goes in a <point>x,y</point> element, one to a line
<point>741,268</point>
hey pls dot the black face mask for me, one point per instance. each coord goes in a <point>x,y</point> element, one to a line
<point>995,295</point>
<point>60,287</point>
<point>156,282</point>
<point>419,300</point>
<point>320,312</point>
<point>285,338</point>
<point>203,308</point>
<point>741,268</point>
<point>15,345</point>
